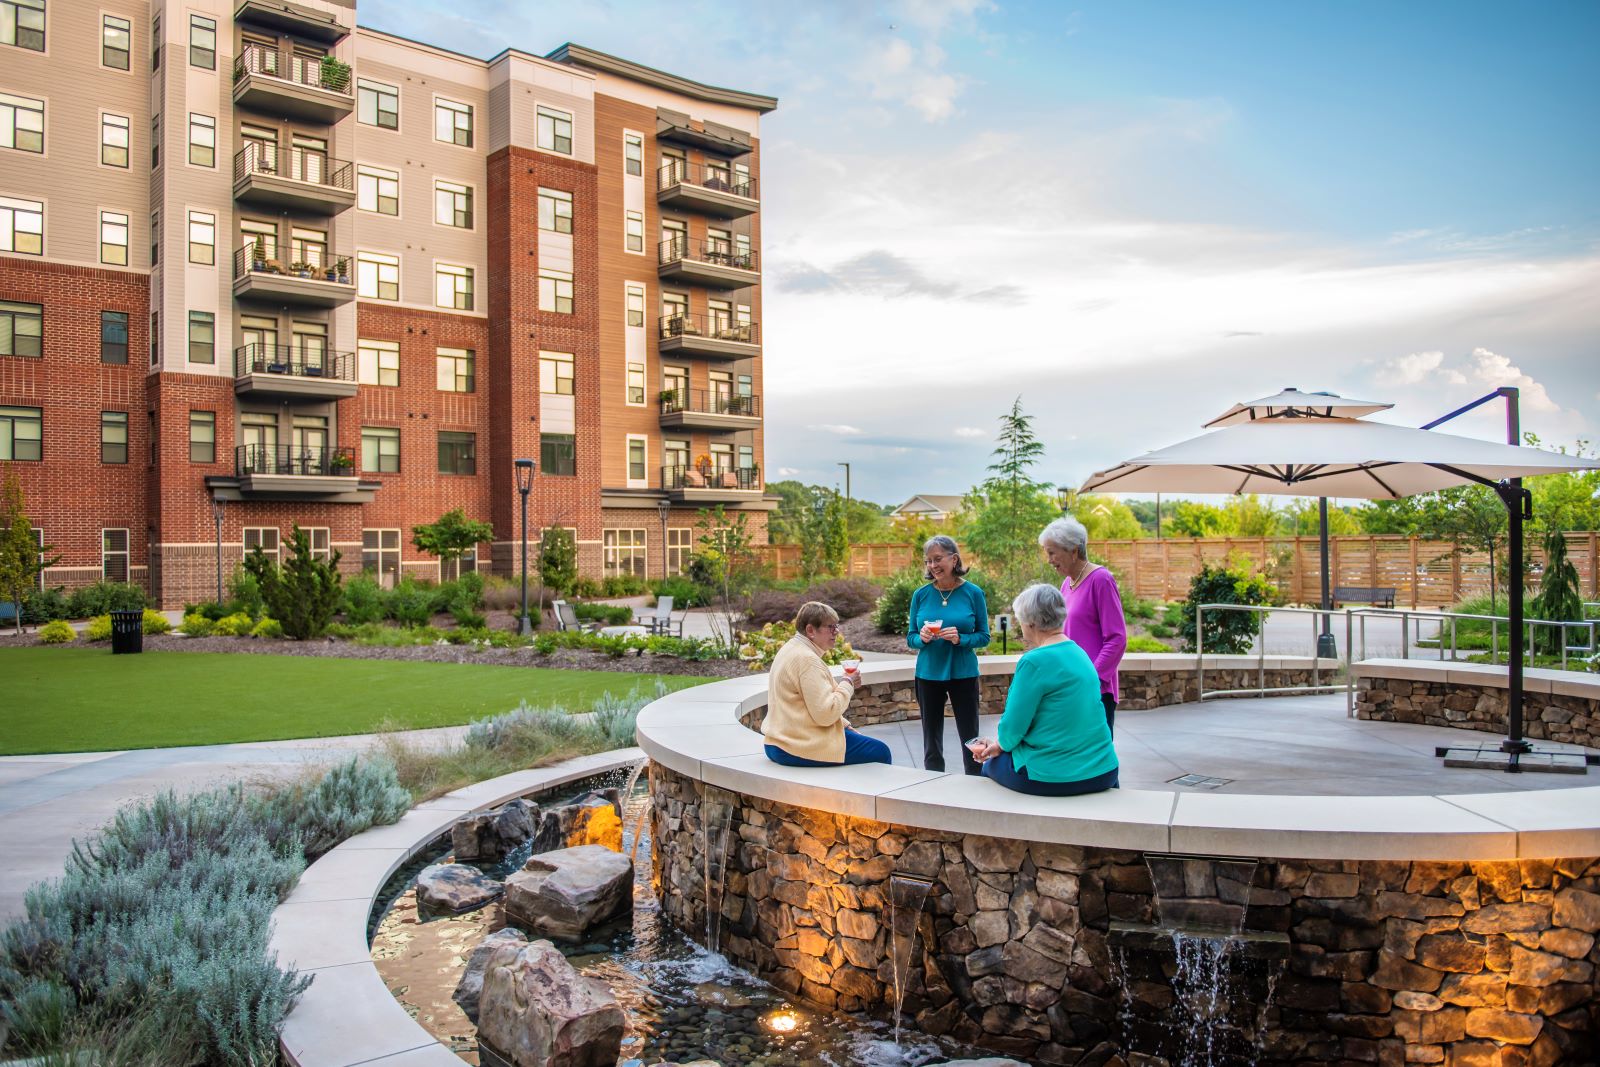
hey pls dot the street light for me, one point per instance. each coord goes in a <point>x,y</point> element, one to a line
<point>1064,498</point>
<point>216,514</point>
<point>524,469</point>
<point>663,507</point>
<point>846,467</point>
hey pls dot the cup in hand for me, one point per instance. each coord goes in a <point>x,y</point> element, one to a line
<point>852,668</point>
<point>976,747</point>
<point>931,628</point>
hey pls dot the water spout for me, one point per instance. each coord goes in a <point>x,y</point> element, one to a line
<point>714,913</point>
<point>907,895</point>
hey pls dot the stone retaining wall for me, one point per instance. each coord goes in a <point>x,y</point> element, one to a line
<point>1052,953</point>
<point>1546,716</point>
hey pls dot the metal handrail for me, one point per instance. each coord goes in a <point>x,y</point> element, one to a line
<point>1453,618</point>
<point>709,402</point>
<point>288,65</point>
<point>297,361</point>
<point>715,328</point>
<point>337,461</point>
<point>273,260</point>
<point>682,477</point>
<point>721,179</point>
<point>296,164</point>
<point>719,252</point>
<point>1262,689</point>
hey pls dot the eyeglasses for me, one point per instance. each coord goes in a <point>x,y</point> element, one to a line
<point>931,560</point>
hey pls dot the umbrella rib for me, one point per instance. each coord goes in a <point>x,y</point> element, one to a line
<point>1130,470</point>
<point>1468,475</point>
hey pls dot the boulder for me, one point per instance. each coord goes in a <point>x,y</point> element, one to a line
<point>537,1011</point>
<point>456,887</point>
<point>470,989</point>
<point>486,836</point>
<point>562,894</point>
<point>584,821</point>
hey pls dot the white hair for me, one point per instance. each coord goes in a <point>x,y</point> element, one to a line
<point>1040,606</point>
<point>1066,533</point>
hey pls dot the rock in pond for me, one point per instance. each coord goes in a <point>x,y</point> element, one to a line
<point>486,836</point>
<point>563,894</point>
<point>456,887</point>
<point>470,989</point>
<point>585,821</point>
<point>536,1011</point>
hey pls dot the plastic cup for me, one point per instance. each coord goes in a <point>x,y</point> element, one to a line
<point>852,667</point>
<point>976,747</point>
<point>936,625</point>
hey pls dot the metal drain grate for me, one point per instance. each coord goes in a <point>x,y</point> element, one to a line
<point>1200,781</point>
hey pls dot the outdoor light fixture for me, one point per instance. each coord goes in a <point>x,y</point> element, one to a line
<point>663,509</point>
<point>524,471</point>
<point>1064,499</point>
<point>783,1021</point>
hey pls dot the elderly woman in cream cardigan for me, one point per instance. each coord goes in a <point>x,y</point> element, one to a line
<point>805,724</point>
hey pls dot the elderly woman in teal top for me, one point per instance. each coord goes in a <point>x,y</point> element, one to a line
<point>1053,740</point>
<point>949,621</point>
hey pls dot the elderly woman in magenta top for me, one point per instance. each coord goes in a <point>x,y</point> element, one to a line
<point>949,622</point>
<point>1094,606</point>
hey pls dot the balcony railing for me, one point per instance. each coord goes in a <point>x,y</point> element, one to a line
<point>715,328</point>
<point>743,478</point>
<point>318,72</point>
<point>294,361</point>
<point>295,460</point>
<point>295,164</point>
<point>717,179</point>
<point>709,402</point>
<point>309,261</point>
<point>720,253</point>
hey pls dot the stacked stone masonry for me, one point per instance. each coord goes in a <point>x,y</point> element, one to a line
<point>1546,716</point>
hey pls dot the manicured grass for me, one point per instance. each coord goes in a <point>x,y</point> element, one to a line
<point>86,700</point>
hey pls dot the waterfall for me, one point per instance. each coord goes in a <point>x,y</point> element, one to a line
<point>907,895</point>
<point>714,913</point>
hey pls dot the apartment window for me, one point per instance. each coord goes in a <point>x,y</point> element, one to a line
<point>155,237</point>
<point>377,276</point>
<point>675,310</point>
<point>113,336</point>
<point>674,453</point>
<point>558,453</point>
<point>202,42</point>
<point>202,140</point>
<point>747,457</point>
<point>636,231</point>
<point>675,240</point>
<point>114,555</point>
<point>114,238</point>
<point>155,338</point>
<point>22,23</point>
<point>555,373</point>
<point>636,383</point>
<point>21,226</point>
<point>202,337</point>
<point>380,449</point>
<point>458,452</point>
<point>265,538</point>
<point>455,370</point>
<point>633,153</point>
<point>452,122</point>
<point>680,546</point>
<point>636,459</point>
<point>21,123</point>
<point>202,237</point>
<point>635,305</point>
<point>380,553</point>
<point>555,291</point>
<point>452,205</point>
<point>114,140</point>
<point>116,42</point>
<point>555,130</point>
<point>155,43</point>
<point>21,329</point>
<point>555,210</point>
<point>202,437</point>
<point>113,437</point>
<point>624,553</point>
<point>21,433</point>
<point>377,104</point>
<point>378,362</point>
<point>452,286</point>
<point>378,190</point>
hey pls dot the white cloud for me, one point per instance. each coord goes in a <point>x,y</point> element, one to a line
<point>970,431</point>
<point>900,71</point>
<point>1413,368</point>
<point>837,429</point>
<point>1495,370</point>
<point>788,472</point>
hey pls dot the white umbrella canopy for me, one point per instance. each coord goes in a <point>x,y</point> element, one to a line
<point>1293,403</point>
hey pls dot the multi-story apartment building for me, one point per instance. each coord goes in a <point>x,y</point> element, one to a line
<point>259,263</point>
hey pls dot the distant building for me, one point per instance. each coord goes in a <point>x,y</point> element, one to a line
<point>930,506</point>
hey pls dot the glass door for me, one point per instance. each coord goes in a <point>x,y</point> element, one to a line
<point>310,446</point>
<point>258,433</point>
<point>309,248</point>
<point>721,393</point>
<point>260,146</point>
<point>311,348</point>
<point>310,159</point>
<point>260,339</point>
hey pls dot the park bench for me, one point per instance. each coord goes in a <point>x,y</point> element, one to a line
<point>8,612</point>
<point>1381,596</point>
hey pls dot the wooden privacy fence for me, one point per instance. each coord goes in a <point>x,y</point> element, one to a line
<point>1423,574</point>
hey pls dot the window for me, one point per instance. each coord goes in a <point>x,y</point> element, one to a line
<point>555,210</point>
<point>321,541</point>
<point>116,43</point>
<point>680,546</point>
<point>452,205</point>
<point>155,43</point>
<point>633,153</point>
<point>114,238</point>
<point>21,433</point>
<point>155,237</point>
<point>624,553</point>
<point>21,123</point>
<point>114,140</point>
<point>466,563</point>
<point>458,452</point>
<point>21,226</point>
<point>155,142</point>
<point>558,453</point>
<point>555,130</point>
<point>636,383</point>
<point>22,328</point>
<point>202,237</point>
<point>636,459</point>
<point>114,555</point>
<point>675,312</point>
<point>202,42</point>
<point>747,458</point>
<point>22,23</point>
<point>264,538</point>
<point>674,166</point>
<point>455,370</point>
<point>452,122</point>
<point>261,238</point>
<point>722,457</point>
<point>380,553</point>
<point>452,286</point>
<point>674,240</point>
<point>377,276</point>
<point>113,336</point>
<point>202,337</point>
<point>378,362</point>
<point>155,338</point>
<point>674,453</point>
<point>113,437</point>
<point>636,232</point>
<point>635,305</point>
<point>555,291</point>
<point>202,140</point>
<point>378,190</point>
<point>380,449</point>
<point>377,104</point>
<point>202,437</point>
<point>555,373</point>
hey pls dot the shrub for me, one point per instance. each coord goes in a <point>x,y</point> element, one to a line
<point>57,632</point>
<point>267,627</point>
<point>848,596</point>
<point>213,611</point>
<point>545,644</point>
<point>44,605</point>
<point>1141,643</point>
<point>244,594</point>
<point>610,614</point>
<point>156,623</point>
<point>99,628</point>
<point>410,604</point>
<point>302,594</point>
<point>1226,632</point>
<point>684,593</point>
<point>585,587</point>
<point>102,598</point>
<point>761,646</point>
<point>1135,608</point>
<point>467,618</point>
<point>558,560</point>
<point>471,586</point>
<point>774,605</point>
<point>1559,599</point>
<point>197,625</point>
<point>364,600</point>
<point>1161,629</point>
<point>238,625</point>
<point>893,612</point>
<point>621,585</point>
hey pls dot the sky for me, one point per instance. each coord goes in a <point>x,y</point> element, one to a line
<point>1132,215</point>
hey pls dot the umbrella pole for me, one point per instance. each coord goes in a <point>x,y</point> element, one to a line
<point>1326,648</point>
<point>1517,501</point>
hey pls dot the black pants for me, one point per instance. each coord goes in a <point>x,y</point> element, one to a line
<point>963,697</point>
<point>1111,712</point>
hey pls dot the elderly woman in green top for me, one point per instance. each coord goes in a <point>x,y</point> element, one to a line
<point>1053,740</point>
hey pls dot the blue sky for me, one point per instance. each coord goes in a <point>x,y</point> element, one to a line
<point>1134,214</point>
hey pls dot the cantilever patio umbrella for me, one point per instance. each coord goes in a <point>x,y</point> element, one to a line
<point>1312,444</point>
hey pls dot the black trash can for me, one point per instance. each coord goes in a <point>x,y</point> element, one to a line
<point>127,632</point>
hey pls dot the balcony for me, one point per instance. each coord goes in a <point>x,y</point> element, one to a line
<point>710,485</point>
<point>296,181</point>
<point>291,18</point>
<point>294,371</point>
<point>720,140</point>
<point>313,282</point>
<point>714,191</point>
<point>286,83</point>
<point>295,472</point>
<point>713,264</point>
<point>712,338</point>
<point>708,409</point>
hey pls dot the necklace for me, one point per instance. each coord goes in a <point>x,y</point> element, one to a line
<point>1083,569</point>
<point>944,597</point>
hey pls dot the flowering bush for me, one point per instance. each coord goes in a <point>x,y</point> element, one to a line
<point>57,632</point>
<point>762,645</point>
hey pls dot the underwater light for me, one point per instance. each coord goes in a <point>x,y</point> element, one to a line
<point>781,1022</point>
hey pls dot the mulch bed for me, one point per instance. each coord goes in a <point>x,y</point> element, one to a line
<point>864,637</point>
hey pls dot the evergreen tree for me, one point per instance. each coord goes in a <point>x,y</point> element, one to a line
<point>304,593</point>
<point>1559,598</point>
<point>1010,507</point>
<point>558,560</point>
<point>21,557</point>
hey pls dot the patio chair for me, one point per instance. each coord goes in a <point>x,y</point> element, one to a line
<point>567,619</point>
<point>658,619</point>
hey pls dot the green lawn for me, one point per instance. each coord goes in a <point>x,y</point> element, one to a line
<point>86,700</point>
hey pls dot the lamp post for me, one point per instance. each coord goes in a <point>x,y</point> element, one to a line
<point>846,467</point>
<point>216,515</point>
<point>663,508</point>
<point>524,469</point>
<point>1064,498</point>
